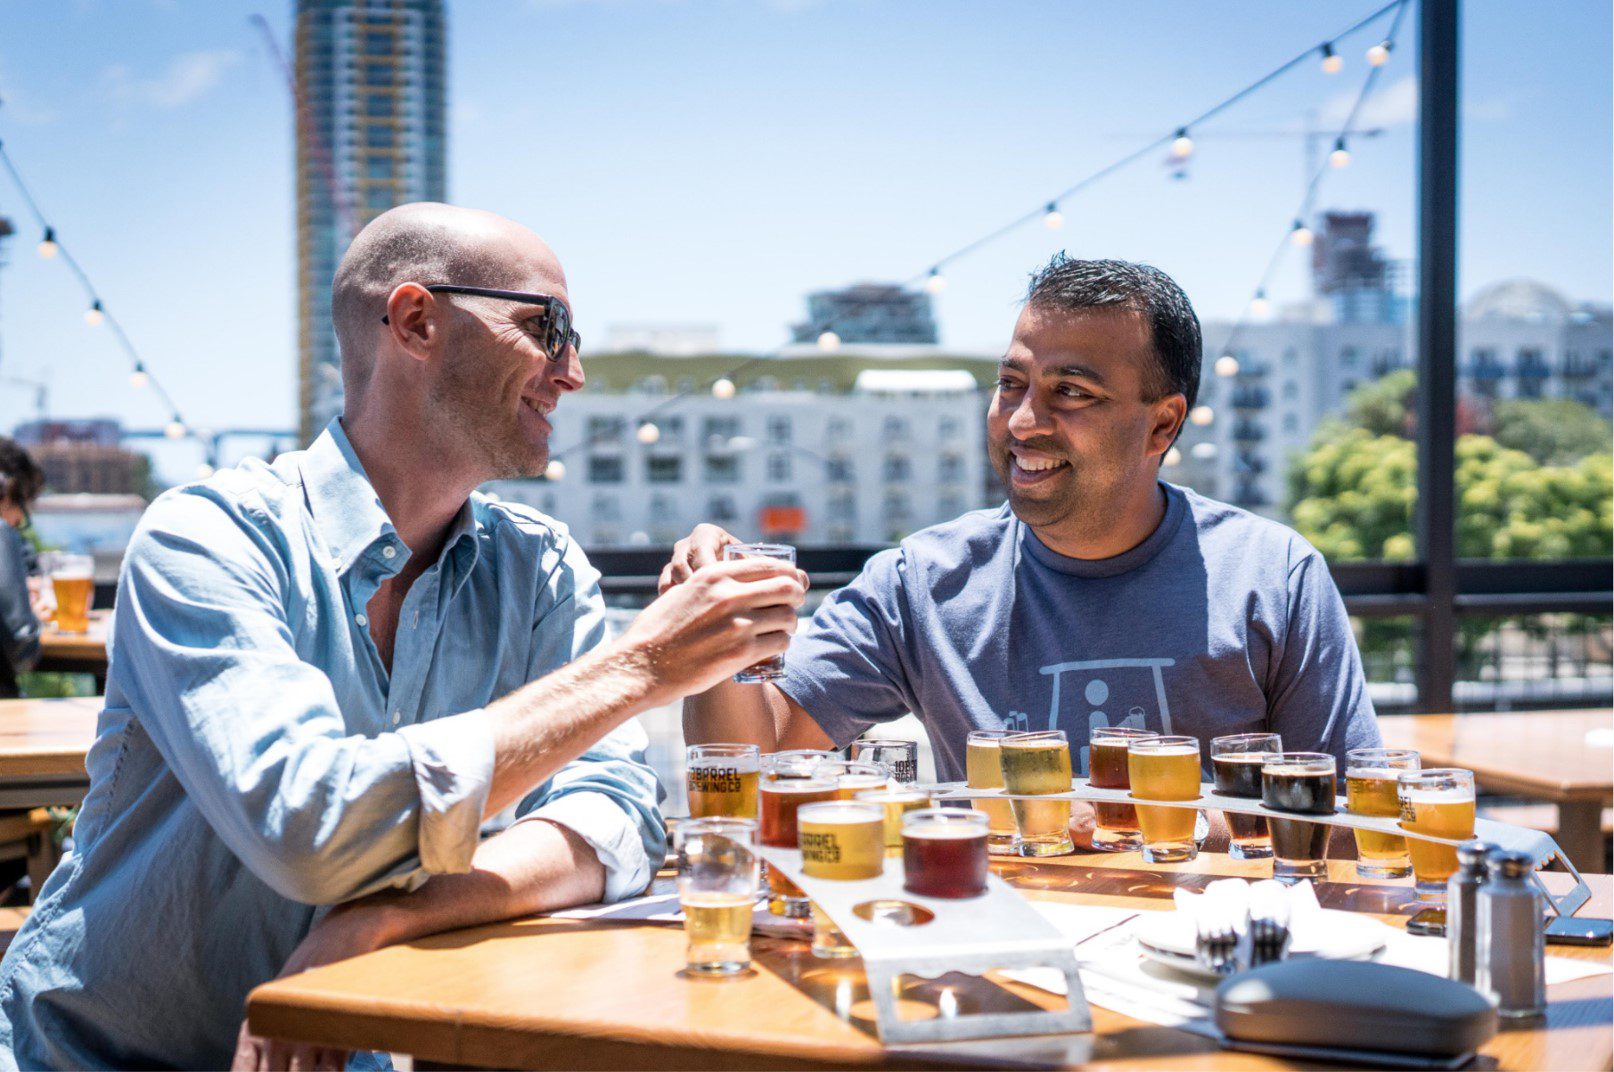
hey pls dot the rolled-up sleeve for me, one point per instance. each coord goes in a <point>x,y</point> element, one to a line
<point>608,796</point>
<point>207,664</point>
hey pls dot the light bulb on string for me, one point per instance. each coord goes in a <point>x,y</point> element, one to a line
<point>723,388</point>
<point>1333,62</point>
<point>1203,451</point>
<point>1259,305</point>
<point>1227,365</point>
<point>204,471</point>
<point>1300,234</point>
<point>555,470</point>
<point>175,429</point>
<point>1052,218</point>
<point>47,245</point>
<point>1182,146</point>
<point>1340,156</point>
<point>139,377</point>
<point>935,282</point>
<point>648,433</point>
<point>829,342</point>
<point>1201,415</point>
<point>94,314</point>
<point>1379,54</point>
<point>1173,457</point>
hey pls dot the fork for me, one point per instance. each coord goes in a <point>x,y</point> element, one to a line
<point>1216,947</point>
<point>1269,940</point>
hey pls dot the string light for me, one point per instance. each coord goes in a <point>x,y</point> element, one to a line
<point>1333,62</point>
<point>94,315</point>
<point>1204,450</point>
<point>1173,457</point>
<point>204,471</point>
<point>175,429</point>
<point>935,283</point>
<point>1201,415</point>
<point>139,378</point>
<point>1259,306</point>
<point>829,342</point>
<point>1300,234</point>
<point>47,245</point>
<point>1182,146</point>
<point>723,388</point>
<point>1227,365</point>
<point>648,433</point>
<point>1379,54</point>
<point>555,470</point>
<point>1052,218</point>
<point>1340,156</point>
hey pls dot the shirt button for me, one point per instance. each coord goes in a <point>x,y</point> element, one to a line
<point>397,717</point>
<point>389,551</point>
<point>361,619</point>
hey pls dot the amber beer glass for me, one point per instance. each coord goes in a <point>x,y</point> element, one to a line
<point>1370,789</point>
<point>851,777</point>
<point>1438,801</point>
<point>722,780</point>
<point>717,889</point>
<point>773,668</point>
<point>1116,825</point>
<point>1302,783</point>
<point>788,782</point>
<point>842,840</point>
<point>1236,762</point>
<point>983,769</point>
<point>1165,768</point>
<point>1036,764</point>
<point>73,579</point>
<point>896,801</point>
<point>944,852</point>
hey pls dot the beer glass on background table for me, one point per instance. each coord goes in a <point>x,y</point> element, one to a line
<point>72,579</point>
<point>1302,783</point>
<point>722,780</point>
<point>944,852</point>
<point>1115,825</point>
<point>841,840</point>
<point>901,757</point>
<point>1236,762</point>
<point>1165,768</point>
<point>773,668</point>
<point>788,782</point>
<point>896,801</point>
<point>983,769</point>
<point>1370,789</point>
<point>717,889</point>
<point>1036,764</point>
<point>1438,801</point>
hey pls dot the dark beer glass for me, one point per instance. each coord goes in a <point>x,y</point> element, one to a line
<point>1236,762</point>
<point>944,852</point>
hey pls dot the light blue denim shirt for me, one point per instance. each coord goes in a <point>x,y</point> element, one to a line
<point>256,760</point>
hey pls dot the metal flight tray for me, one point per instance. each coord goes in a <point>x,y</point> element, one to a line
<point>971,935</point>
<point>1540,845</point>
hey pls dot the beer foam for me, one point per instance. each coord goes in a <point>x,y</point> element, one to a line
<point>943,831</point>
<point>838,818</point>
<point>1439,796</point>
<point>1172,750</point>
<point>1296,770</point>
<point>797,786</point>
<point>1382,774</point>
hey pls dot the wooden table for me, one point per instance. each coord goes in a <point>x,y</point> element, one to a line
<point>77,653</point>
<point>552,993</point>
<point>1542,755</point>
<point>42,748</point>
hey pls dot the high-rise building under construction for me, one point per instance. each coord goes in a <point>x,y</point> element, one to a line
<point>371,134</point>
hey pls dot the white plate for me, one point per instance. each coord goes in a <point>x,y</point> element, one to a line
<point>1168,937</point>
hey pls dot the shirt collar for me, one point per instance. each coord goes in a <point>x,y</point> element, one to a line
<point>1126,561</point>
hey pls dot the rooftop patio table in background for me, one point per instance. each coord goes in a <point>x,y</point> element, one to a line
<point>1543,755</point>
<point>77,653</point>
<point>42,748</point>
<point>558,993</point>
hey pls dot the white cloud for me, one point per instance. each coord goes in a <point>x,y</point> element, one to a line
<point>188,78</point>
<point>1396,105</point>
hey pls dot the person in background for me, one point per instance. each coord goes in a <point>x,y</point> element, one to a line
<point>21,481</point>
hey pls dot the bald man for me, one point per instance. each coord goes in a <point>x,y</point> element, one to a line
<point>330,670</point>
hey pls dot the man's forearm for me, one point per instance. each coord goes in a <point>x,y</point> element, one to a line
<point>733,714</point>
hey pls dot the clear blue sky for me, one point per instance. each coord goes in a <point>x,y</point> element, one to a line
<point>713,160</point>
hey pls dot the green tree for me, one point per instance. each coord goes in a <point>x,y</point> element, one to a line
<point>1553,431</point>
<point>1385,406</point>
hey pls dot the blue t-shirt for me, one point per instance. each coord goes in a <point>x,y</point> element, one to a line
<point>1220,622</point>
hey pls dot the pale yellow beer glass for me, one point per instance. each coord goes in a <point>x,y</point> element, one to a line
<point>1036,764</point>
<point>895,801</point>
<point>717,889</point>
<point>722,780</point>
<point>1165,768</point>
<point>1370,789</point>
<point>1439,801</point>
<point>983,769</point>
<point>841,840</point>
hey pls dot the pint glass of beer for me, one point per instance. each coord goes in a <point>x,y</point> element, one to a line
<point>1236,762</point>
<point>944,852</point>
<point>722,780</point>
<point>840,840</point>
<point>852,777</point>
<point>717,887</point>
<point>1165,768</point>
<point>1116,825</point>
<point>1036,764</point>
<point>767,669</point>
<point>984,770</point>
<point>1300,782</point>
<point>1438,801</point>
<point>900,757</point>
<point>1370,789</point>
<point>73,579</point>
<point>788,782</point>
<point>896,801</point>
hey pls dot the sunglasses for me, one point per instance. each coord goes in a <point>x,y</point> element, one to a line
<point>554,331</point>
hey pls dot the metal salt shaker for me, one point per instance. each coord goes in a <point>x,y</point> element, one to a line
<point>1462,889</point>
<point>1511,952</point>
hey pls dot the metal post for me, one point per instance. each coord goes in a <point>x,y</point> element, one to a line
<point>1437,346</point>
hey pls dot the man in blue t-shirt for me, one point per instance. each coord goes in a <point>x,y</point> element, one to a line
<point>1099,595</point>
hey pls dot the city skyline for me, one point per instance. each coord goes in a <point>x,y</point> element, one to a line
<point>645,150</point>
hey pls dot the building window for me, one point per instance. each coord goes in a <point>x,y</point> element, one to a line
<point>662,508</point>
<point>717,431</point>
<point>950,506</point>
<point>377,105</point>
<point>1291,423</point>
<point>779,468</point>
<point>720,508</point>
<point>672,429</point>
<point>377,44</point>
<point>897,468</point>
<point>840,470</point>
<point>837,428</point>
<point>1291,390</point>
<point>948,428</point>
<point>722,469</point>
<point>377,74</point>
<point>950,469</point>
<point>895,428</point>
<point>605,508</point>
<point>606,429</point>
<point>604,469</point>
<point>896,506</point>
<point>842,506</point>
<point>378,199</point>
<point>1347,358</point>
<point>779,431</point>
<point>663,469</point>
<point>378,136</point>
<point>378,167</point>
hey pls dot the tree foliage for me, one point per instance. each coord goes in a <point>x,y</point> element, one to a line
<point>1553,431</point>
